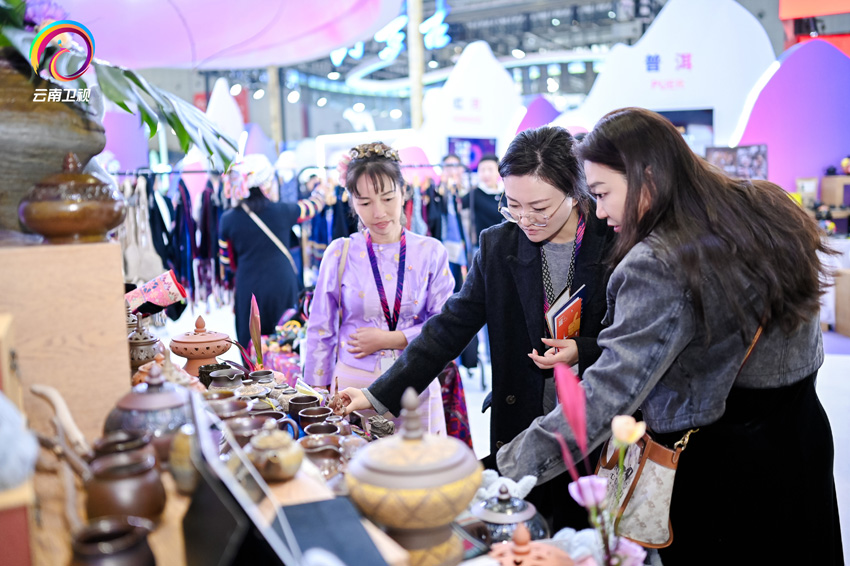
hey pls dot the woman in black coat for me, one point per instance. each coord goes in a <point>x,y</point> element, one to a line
<point>550,210</point>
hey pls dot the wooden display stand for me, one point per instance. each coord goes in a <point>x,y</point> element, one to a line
<point>842,301</point>
<point>68,306</point>
<point>835,190</point>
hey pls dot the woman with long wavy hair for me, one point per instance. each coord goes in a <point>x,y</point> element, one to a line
<point>705,267</point>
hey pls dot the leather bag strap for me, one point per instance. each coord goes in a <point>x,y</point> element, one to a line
<point>270,234</point>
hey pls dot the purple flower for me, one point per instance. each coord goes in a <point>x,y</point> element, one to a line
<point>589,491</point>
<point>39,11</point>
<point>631,553</point>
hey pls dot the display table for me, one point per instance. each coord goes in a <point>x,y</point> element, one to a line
<point>51,541</point>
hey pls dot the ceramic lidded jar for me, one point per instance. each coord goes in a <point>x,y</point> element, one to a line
<point>143,346</point>
<point>200,346</point>
<point>157,406</point>
<point>416,484</point>
<point>72,206</point>
<point>503,513</point>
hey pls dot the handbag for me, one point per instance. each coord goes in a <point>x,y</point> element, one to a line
<point>642,505</point>
<point>272,237</point>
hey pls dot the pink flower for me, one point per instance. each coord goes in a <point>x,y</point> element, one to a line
<point>631,553</point>
<point>589,491</point>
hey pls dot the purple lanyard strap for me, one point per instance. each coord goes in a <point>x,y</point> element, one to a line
<point>392,319</point>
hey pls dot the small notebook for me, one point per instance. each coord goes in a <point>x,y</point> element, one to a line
<point>564,316</point>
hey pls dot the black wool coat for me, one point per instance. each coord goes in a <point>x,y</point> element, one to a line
<point>504,289</point>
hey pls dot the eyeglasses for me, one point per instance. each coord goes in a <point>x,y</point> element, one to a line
<point>533,218</point>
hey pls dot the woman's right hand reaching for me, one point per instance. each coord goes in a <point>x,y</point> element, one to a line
<point>354,400</point>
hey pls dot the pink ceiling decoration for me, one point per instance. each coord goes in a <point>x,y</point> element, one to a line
<point>222,34</point>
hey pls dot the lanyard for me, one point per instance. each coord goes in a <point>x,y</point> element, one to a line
<point>548,292</point>
<point>392,320</point>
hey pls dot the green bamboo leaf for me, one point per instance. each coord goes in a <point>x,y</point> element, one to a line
<point>143,85</point>
<point>114,85</point>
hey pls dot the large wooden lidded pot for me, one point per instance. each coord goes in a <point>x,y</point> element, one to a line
<point>35,136</point>
<point>200,347</point>
<point>416,484</point>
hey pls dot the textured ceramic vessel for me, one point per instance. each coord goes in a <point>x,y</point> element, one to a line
<point>123,441</point>
<point>72,206</point>
<point>113,541</point>
<point>143,346</point>
<point>200,346</point>
<point>158,407</point>
<point>415,484</point>
<point>503,513</point>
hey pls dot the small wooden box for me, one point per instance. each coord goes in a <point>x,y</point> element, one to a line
<point>835,190</point>
<point>842,301</point>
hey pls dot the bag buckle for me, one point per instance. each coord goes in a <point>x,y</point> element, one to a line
<point>683,443</point>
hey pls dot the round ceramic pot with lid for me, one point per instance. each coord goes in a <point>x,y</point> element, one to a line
<point>415,484</point>
<point>72,206</point>
<point>158,407</point>
<point>502,513</point>
<point>200,347</point>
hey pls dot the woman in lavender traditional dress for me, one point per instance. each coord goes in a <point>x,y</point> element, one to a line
<point>375,290</point>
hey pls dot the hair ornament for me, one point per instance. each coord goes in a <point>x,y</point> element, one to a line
<point>367,150</point>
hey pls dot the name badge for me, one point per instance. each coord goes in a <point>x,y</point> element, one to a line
<point>387,362</point>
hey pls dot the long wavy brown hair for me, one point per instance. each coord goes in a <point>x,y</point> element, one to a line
<point>740,231</point>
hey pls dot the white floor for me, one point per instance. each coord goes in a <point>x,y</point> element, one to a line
<point>833,389</point>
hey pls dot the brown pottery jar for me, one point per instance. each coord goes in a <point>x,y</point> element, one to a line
<point>72,206</point>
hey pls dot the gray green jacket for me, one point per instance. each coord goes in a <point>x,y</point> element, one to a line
<point>655,357</point>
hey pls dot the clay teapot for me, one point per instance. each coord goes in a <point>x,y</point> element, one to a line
<point>158,407</point>
<point>275,455</point>
<point>126,483</point>
<point>225,379</point>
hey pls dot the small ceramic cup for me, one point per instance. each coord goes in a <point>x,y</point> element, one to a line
<point>321,428</point>
<point>227,409</point>
<point>313,415</point>
<point>301,402</point>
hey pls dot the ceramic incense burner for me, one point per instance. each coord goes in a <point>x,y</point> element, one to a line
<point>200,347</point>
